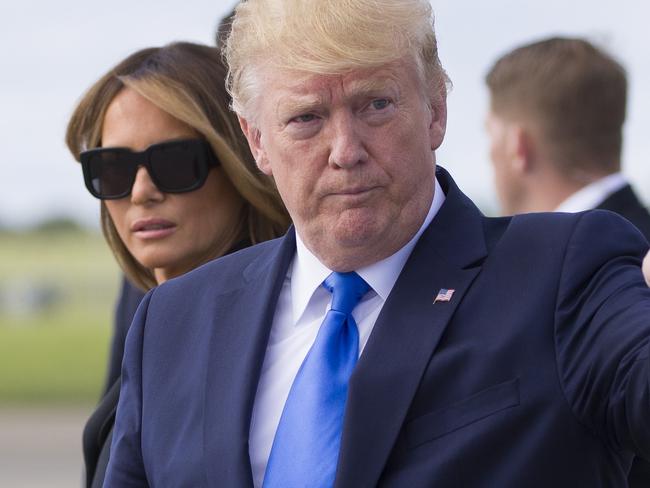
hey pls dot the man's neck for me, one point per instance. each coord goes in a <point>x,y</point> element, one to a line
<point>547,193</point>
<point>590,196</point>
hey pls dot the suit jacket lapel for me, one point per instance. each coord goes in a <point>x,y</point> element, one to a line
<point>448,255</point>
<point>241,330</point>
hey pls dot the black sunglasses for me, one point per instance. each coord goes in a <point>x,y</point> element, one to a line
<point>174,167</point>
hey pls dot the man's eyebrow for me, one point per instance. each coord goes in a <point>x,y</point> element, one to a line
<point>298,104</point>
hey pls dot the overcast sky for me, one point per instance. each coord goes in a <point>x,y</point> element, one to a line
<point>50,53</point>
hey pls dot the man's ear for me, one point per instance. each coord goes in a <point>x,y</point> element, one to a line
<point>438,124</point>
<point>254,138</point>
<point>521,148</point>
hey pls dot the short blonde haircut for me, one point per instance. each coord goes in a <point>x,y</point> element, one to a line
<point>188,82</point>
<point>576,95</point>
<point>327,37</point>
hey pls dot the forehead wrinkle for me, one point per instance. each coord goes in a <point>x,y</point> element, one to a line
<point>299,93</point>
<point>304,93</point>
<point>373,80</point>
<point>349,89</point>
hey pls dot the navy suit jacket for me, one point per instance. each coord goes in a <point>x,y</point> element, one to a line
<point>536,373</point>
<point>625,202</point>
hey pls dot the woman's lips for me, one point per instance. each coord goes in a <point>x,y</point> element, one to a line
<point>152,228</point>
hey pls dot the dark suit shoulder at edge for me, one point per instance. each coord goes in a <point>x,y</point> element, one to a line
<point>223,274</point>
<point>496,227</point>
<point>625,202</point>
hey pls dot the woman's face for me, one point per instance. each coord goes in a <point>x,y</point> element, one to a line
<point>169,233</point>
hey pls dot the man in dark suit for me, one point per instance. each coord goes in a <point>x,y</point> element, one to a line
<point>556,130</point>
<point>395,336</point>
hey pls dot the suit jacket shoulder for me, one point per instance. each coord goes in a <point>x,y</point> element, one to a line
<point>626,203</point>
<point>226,273</point>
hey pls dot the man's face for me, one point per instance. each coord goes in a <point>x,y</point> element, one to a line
<point>352,156</point>
<point>502,152</point>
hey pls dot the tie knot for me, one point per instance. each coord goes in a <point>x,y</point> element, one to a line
<point>347,289</point>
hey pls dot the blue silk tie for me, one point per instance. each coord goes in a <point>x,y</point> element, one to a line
<point>306,445</point>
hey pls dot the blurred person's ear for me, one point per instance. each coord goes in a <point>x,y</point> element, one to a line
<point>520,146</point>
<point>512,147</point>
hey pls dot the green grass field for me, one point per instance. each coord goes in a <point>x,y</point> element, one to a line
<point>57,291</point>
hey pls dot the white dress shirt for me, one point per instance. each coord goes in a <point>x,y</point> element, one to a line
<point>592,195</point>
<point>301,308</point>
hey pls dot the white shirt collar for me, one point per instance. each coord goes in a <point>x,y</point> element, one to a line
<point>592,195</point>
<point>307,272</point>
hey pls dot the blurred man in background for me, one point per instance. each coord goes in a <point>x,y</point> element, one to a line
<point>555,124</point>
<point>556,128</point>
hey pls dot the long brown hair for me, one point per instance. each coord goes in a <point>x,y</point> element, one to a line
<point>187,81</point>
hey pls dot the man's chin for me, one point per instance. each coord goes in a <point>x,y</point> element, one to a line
<point>356,227</point>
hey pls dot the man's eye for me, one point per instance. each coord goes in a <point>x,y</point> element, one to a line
<point>303,119</point>
<point>380,103</point>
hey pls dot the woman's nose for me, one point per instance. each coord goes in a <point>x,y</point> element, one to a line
<point>144,189</point>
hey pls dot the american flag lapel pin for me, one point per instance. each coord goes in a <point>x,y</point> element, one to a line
<point>444,295</point>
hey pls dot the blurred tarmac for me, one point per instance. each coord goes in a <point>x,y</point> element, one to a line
<point>41,447</point>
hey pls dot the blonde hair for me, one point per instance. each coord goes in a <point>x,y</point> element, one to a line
<point>188,82</point>
<point>327,37</point>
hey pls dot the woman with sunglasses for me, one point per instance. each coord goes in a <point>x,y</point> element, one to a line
<point>178,187</point>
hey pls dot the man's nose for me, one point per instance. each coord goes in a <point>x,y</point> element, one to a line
<point>144,189</point>
<point>347,146</point>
